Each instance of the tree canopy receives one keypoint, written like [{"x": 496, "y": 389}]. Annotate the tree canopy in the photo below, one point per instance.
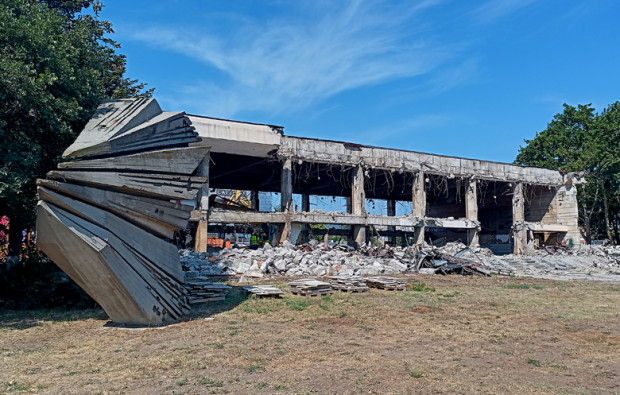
[
  {"x": 579, "y": 139},
  {"x": 57, "y": 63}
]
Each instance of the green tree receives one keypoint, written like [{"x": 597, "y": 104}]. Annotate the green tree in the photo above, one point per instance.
[
  {"x": 57, "y": 63},
  {"x": 578, "y": 139}
]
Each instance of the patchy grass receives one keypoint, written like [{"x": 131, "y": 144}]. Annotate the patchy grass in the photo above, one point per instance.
[
  {"x": 543, "y": 336},
  {"x": 208, "y": 382},
  {"x": 534, "y": 362}
]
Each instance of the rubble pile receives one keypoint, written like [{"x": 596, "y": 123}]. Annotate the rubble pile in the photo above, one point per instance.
[
  {"x": 288, "y": 260},
  {"x": 583, "y": 262},
  {"x": 312, "y": 259}
]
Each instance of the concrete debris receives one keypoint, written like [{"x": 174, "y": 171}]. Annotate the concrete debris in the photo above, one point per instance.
[
  {"x": 388, "y": 283},
  {"x": 264, "y": 290},
  {"x": 310, "y": 287},
  {"x": 584, "y": 262},
  {"x": 200, "y": 291},
  {"x": 348, "y": 283}
]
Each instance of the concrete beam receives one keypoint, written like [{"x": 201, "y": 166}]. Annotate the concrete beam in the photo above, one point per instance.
[
  {"x": 324, "y": 151},
  {"x": 317, "y": 217}
]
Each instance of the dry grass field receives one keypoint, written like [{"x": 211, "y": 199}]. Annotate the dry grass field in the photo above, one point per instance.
[{"x": 442, "y": 335}]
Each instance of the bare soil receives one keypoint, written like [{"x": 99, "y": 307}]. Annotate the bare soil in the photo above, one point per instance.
[{"x": 442, "y": 335}]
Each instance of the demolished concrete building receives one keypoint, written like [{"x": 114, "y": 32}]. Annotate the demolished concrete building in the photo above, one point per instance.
[
  {"x": 137, "y": 174},
  {"x": 479, "y": 202}
]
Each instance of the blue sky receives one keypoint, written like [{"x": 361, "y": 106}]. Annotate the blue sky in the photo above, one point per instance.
[{"x": 460, "y": 78}]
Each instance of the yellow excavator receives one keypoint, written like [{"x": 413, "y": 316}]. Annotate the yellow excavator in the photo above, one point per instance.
[{"x": 234, "y": 200}]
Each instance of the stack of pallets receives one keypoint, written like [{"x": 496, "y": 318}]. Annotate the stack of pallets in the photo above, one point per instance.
[
  {"x": 310, "y": 287},
  {"x": 264, "y": 290},
  {"x": 348, "y": 283},
  {"x": 387, "y": 283},
  {"x": 201, "y": 292}
]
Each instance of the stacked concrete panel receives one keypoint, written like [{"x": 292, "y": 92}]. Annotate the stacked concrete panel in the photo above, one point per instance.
[{"x": 108, "y": 215}]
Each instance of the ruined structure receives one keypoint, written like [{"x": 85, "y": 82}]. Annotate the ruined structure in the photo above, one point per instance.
[
  {"x": 136, "y": 174},
  {"x": 479, "y": 202}
]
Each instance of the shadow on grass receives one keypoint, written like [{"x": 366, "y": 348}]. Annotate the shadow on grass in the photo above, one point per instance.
[
  {"x": 235, "y": 297},
  {"x": 24, "y": 319}
]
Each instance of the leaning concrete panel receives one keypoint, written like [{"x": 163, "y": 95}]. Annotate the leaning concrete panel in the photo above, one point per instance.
[{"x": 108, "y": 216}]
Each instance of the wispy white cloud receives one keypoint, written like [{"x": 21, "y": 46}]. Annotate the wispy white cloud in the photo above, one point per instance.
[
  {"x": 290, "y": 63},
  {"x": 494, "y": 10}
]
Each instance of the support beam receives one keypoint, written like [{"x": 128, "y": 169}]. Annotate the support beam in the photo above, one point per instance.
[
  {"x": 471, "y": 210},
  {"x": 286, "y": 197},
  {"x": 358, "y": 202},
  {"x": 305, "y": 228},
  {"x": 254, "y": 200},
  {"x": 200, "y": 241},
  {"x": 419, "y": 206},
  {"x": 391, "y": 212},
  {"x": 519, "y": 230}
]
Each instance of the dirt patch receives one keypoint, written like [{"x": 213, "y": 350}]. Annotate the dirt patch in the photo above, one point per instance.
[{"x": 454, "y": 334}]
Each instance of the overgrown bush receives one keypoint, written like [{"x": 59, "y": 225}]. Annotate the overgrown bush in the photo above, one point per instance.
[{"x": 36, "y": 282}]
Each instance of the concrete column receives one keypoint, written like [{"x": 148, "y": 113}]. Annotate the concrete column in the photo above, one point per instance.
[
  {"x": 519, "y": 233},
  {"x": 419, "y": 206},
  {"x": 200, "y": 241},
  {"x": 471, "y": 210},
  {"x": 254, "y": 200},
  {"x": 358, "y": 203},
  {"x": 305, "y": 228},
  {"x": 391, "y": 212},
  {"x": 286, "y": 197}
]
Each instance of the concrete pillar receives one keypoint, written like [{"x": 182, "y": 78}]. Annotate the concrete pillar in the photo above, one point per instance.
[
  {"x": 358, "y": 203},
  {"x": 391, "y": 212},
  {"x": 519, "y": 233},
  {"x": 348, "y": 204},
  {"x": 254, "y": 200},
  {"x": 200, "y": 241},
  {"x": 286, "y": 197},
  {"x": 419, "y": 205},
  {"x": 471, "y": 210},
  {"x": 305, "y": 228}
]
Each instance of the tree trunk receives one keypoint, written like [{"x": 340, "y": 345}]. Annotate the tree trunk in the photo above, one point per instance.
[
  {"x": 586, "y": 224},
  {"x": 616, "y": 234},
  {"x": 606, "y": 212},
  {"x": 15, "y": 241}
]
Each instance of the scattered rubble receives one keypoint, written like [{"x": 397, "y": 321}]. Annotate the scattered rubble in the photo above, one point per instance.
[{"x": 312, "y": 259}]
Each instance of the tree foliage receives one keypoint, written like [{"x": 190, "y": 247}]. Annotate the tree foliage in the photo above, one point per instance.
[
  {"x": 57, "y": 63},
  {"x": 579, "y": 139}
]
